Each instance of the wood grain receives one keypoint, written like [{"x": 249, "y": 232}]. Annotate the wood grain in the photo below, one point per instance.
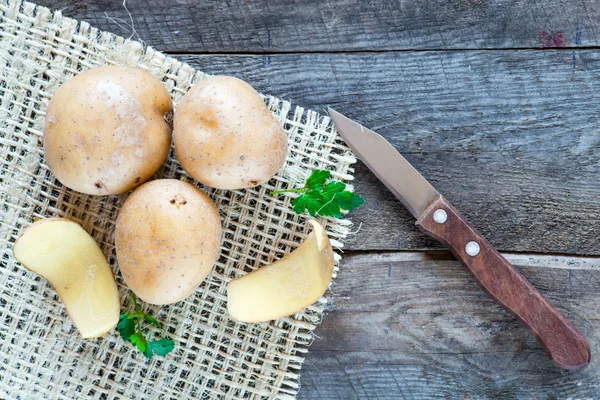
[
  {"x": 414, "y": 325},
  {"x": 262, "y": 26},
  {"x": 565, "y": 346},
  {"x": 509, "y": 137},
  {"x": 390, "y": 375}
]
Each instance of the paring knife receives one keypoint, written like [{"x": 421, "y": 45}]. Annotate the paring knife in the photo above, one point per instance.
[{"x": 436, "y": 217}]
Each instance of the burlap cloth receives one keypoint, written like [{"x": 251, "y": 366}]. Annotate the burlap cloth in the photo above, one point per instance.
[{"x": 42, "y": 356}]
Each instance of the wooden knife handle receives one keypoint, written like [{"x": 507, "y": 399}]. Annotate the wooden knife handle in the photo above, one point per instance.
[{"x": 564, "y": 345}]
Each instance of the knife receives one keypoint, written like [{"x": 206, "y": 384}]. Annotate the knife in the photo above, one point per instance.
[{"x": 436, "y": 217}]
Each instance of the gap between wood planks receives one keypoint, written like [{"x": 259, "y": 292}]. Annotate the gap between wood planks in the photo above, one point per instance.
[
  {"x": 545, "y": 260},
  {"x": 174, "y": 53}
]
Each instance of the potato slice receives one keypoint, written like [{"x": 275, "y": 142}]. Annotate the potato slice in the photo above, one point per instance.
[
  {"x": 62, "y": 252},
  {"x": 287, "y": 286}
]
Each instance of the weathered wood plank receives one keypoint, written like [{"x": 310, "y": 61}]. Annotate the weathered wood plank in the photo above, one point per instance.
[
  {"x": 431, "y": 295},
  {"x": 414, "y": 325},
  {"x": 305, "y": 25},
  {"x": 509, "y": 137},
  {"x": 387, "y": 375}
]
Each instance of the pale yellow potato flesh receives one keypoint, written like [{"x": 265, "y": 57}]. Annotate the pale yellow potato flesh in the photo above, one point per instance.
[
  {"x": 287, "y": 286},
  {"x": 63, "y": 253}
]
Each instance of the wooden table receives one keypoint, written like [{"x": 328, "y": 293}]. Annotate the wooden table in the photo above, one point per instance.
[{"x": 497, "y": 103}]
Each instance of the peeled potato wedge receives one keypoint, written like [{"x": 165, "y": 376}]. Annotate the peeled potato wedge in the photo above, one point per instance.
[
  {"x": 287, "y": 286},
  {"x": 62, "y": 252}
]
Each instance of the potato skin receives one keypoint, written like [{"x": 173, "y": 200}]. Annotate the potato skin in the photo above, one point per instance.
[
  {"x": 225, "y": 137},
  {"x": 167, "y": 236},
  {"x": 105, "y": 130}
]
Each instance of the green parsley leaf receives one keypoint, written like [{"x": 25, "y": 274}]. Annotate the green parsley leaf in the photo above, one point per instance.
[
  {"x": 314, "y": 202},
  {"x": 126, "y": 327},
  {"x": 310, "y": 201},
  {"x": 333, "y": 187},
  {"x": 160, "y": 347},
  {"x": 330, "y": 209},
  {"x": 321, "y": 198},
  {"x": 299, "y": 204},
  {"x": 317, "y": 179},
  {"x": 148, "y": 352},
  {"x": 139, "y": 341},
  {"x": 349, "y": 201},
  {"x": 129, "y": 329}
]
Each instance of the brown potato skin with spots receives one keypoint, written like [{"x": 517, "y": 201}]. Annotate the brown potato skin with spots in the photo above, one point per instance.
[
  {"x": 168, "y": 236},
  {"x": 225, "y": 137},
  {"x": 105, "y": 130}
]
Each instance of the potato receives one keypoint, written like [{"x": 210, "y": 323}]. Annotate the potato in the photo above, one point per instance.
[
  {"x": 225, "y": 137},
  {"x": 62, "y": 252},
  {"x": 167, "y": 238},
  {"x": 287, "y": 286},
  {"x": 106, "y": 131}
]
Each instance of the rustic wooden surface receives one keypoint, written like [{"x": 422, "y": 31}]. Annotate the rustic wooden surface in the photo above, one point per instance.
[
  {"x": 414, "y": 325},
  {"x": 497, "y": 103},
  {"x": 307, "y": 26},
  {"x": 509, "y": 137}
]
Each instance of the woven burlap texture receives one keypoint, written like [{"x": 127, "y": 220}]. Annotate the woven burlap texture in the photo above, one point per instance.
[{"x": 42, "y": 356}]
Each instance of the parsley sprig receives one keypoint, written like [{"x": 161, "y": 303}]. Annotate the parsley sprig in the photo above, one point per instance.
[
  {"x": 322, "y": 198},
  {"x": 129, "y": 327}
]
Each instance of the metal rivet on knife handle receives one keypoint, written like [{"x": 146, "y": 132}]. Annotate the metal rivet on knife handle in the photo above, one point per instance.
[
  {"x": 440, "y": 216},
  {"x": 472, "y": 248}
]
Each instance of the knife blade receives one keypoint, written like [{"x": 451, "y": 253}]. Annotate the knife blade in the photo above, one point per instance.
[{"x": 436, "y": 217}]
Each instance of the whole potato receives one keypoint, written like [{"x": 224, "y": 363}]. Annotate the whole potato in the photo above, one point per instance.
[
  {"x": 225, "y": 136},
  {"x": 167, "y": 238},
  {"x": 106, "y": 131}
]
